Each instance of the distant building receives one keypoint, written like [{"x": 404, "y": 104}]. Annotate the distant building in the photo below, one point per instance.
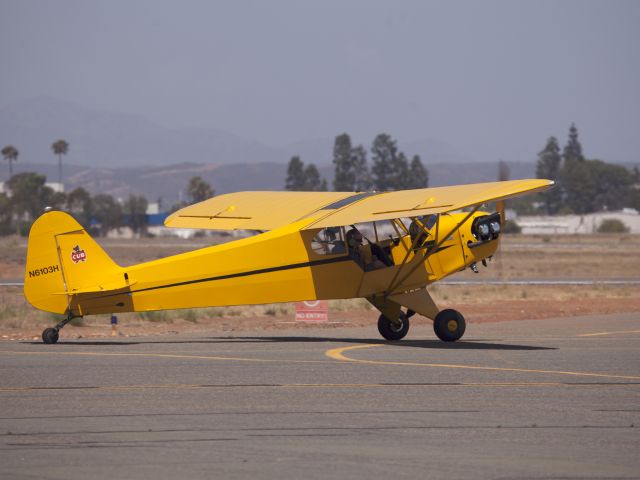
[
  {"x": 575, "y": 224},
  {"x": 55, "y": 186}
]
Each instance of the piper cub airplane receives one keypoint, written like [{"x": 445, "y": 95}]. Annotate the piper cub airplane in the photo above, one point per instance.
[{"x": 386, "y": 247}]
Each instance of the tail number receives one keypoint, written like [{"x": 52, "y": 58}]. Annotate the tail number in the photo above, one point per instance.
[
  {"x": 43, "y": 271},
  {"x": 78, "y": 255}
]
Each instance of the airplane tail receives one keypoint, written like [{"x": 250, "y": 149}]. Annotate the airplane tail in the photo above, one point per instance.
[{"x": 63, "y": 260}]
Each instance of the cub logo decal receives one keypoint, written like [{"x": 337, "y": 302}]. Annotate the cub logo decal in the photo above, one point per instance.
[{"x": 78, "y": 255}]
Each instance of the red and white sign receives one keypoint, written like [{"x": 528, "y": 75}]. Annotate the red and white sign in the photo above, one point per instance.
[{"x": 312, "y": 311}]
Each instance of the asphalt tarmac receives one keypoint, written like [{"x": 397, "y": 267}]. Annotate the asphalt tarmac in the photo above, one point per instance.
[{"x": 542, "y": 399}]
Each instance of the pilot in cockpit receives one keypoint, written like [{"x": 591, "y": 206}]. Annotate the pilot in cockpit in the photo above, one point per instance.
[{"x": 362, "y": 253}]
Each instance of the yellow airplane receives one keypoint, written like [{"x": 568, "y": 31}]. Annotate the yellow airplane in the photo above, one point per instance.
[{"x": 386, "y": 247}]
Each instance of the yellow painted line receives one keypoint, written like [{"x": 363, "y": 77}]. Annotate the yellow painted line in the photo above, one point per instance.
[
  {"x": 607, "y": 333},
  {"x": 338, "y": 354},
  {"x": 165, "y": 355}
]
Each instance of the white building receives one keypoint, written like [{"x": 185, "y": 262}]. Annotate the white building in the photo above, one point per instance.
[
  {"x": 573, "y": 224},
  {"x": 55, "y": 186}
]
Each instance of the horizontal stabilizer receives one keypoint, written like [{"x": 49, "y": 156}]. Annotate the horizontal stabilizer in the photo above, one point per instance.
[{"x": 97, "y": 289}]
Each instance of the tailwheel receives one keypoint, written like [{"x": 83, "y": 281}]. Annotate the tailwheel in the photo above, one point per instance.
[
  {"x": 393, "y": 330},
  {"x": 50, "y": 335},
  {"x": 449, "y": 325}
]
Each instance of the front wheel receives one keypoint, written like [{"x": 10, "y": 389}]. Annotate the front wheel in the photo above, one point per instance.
[
  {"x": 449, "y": 325},
  {"x": 393, "y": 331}
]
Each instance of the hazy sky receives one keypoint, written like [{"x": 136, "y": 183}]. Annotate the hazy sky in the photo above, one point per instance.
[{"x": 492, "y": 78}]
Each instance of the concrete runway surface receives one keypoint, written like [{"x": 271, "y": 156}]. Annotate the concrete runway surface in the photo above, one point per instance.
[{"x": 539, "y": 399}]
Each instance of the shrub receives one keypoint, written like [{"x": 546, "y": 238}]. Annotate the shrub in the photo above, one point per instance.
[{"x": 612, "y": 225}]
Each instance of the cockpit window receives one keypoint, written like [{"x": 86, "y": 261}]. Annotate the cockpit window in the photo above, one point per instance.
[{"x": 329, "y": 241}]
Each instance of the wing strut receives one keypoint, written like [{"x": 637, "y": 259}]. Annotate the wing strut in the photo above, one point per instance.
[{"x": 429, "y": 251}]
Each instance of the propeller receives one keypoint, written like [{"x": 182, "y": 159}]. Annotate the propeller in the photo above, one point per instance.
[{"x": 503, "y": 174}]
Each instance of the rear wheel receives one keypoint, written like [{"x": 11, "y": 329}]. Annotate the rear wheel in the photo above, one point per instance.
[
  {"x": 393, "y": 331},
  {"x": 50, "y": 335},
  {"x": 449, "y": 325}
]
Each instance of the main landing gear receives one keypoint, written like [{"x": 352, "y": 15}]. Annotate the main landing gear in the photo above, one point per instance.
[
  {"x": 449, "y": 325},
  {"x": 393, "y": 330},
  {"x": 51, "y": 335}
]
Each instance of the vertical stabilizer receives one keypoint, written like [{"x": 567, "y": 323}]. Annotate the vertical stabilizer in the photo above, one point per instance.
[{"x": 63, "y": 258}]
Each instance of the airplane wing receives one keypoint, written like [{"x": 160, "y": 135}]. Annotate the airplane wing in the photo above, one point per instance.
[
  {"x": 252, "y": 210},
  {"x": 413, "y": 203},
  {"x": 269, "y": 210}
]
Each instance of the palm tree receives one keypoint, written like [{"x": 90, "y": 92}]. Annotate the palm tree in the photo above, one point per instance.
[
  {"x": 60, "y": 147},
  {"x": 10, "y": 153}
]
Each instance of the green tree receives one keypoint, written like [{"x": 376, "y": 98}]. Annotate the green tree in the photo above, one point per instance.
[
  {"x": 313, "y": 182},
  {"x": 383, "y": 156},
  {"x": 418, "y": 174},
  {"x": 296, "y": 178},
  {"x": 10, "y": 154},
  {"x": 390, "y": 169},
  {"x": 504, "y": 172},
  {"x": 402, "y": 174},
  {"x": 28, "y": 197},
  {"x": 548, "y": 166},
  {"x": 107, "y": 212},
  {"x": 613, "y": 185},
  {"x": 363, "y": 180},
  {"x": 578, "y": 185},
  {"x": 6, "y": 215},
  {"x": 135, "y": 208},
  {"x": 80, "y": 205},
  {"x": 634, "y": 197},
  {"x": 572, "y": 151},
  {"x": 345, "y": 176},
  {"x": 351, "y": 170},
  {"x": 60, "y": 148},
  {"x": 594, "y": 185},
  {"x": 199, "y": 190}
]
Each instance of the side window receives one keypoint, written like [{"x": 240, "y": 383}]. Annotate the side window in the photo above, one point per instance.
[{"x": 329, "y": 241}]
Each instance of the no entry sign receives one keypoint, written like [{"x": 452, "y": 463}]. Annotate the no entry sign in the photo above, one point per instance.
[{"x": 312, "y": 311}]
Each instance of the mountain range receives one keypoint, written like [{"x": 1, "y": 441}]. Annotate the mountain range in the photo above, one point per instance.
[{"x": 100, "y": 138}]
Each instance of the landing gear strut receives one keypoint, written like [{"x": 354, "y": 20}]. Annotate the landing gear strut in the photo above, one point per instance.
[{"x": 51, "y": 335}]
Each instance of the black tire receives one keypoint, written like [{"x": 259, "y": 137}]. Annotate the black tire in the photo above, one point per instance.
[
  {"x": 391, "y": 331},
  {"x": 50, "y": 335},
  {"x": 449, "y": 325}
]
